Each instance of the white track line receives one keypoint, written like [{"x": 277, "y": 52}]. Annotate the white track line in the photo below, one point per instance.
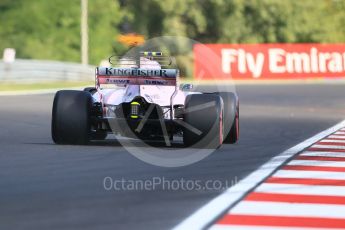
[
  {"x": 340, "y": 132},
  {"x": 310, "y": 174},
  {"x": 317, "y": 163},
  {"x": 298, "y": 189},
  {"x": 208, "y": 213},
  {"x": 289, "y": 209},
  {"x": 333, "y": 141},
  {"x": 328, "y": 146},
  {"x": 323, "y": 154},
  {"x": 336, "y": 137}
]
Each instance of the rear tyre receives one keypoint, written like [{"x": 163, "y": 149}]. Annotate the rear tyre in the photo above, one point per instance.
[
  {"x": 231, "y": 117},
  {"x": 71, "y": 117},
  {"x": 203, "y": 121}
]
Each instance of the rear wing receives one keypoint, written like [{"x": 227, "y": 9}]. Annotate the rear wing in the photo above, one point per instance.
[
  {"x": 143, "y": 59},
  {"x": 136, "y": 76}
]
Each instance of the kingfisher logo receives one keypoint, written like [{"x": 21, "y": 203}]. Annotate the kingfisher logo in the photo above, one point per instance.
[
  {"x": 108, "y": 71},
  {"x": 268, "y": 61}
]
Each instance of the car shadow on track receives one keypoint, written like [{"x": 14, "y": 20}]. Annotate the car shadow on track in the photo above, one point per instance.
[
  {"x": 122, "y": 143},
  {"x": 137, "y": 143}
]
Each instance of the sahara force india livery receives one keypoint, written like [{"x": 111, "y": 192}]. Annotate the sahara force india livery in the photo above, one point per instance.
[{"x": 142, "y": 100}]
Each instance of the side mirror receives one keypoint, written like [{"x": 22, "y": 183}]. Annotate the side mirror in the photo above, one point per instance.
[{"x": 186, "y": 87}]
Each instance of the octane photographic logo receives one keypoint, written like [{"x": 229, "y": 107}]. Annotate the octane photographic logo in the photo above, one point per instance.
[{"x": 170, "y": 151}]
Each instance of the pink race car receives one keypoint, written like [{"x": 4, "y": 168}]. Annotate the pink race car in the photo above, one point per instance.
[{"x": 140, "y": 99}]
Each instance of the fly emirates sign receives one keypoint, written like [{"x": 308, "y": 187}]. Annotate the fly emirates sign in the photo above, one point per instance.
[{"x": 269, "y": 61}]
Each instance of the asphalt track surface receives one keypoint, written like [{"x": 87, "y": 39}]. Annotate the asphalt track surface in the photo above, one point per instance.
[{"x": 46, "y": 186}]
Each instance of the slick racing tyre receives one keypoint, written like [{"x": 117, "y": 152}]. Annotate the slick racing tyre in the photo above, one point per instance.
[
  {"x": 203, "y": 121},
  {"x": 231, "y": 117},
  {"x": 71, "y": 117}
]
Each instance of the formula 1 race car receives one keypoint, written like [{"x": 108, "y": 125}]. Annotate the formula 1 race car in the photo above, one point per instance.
[{"x": 140, "y": 99}]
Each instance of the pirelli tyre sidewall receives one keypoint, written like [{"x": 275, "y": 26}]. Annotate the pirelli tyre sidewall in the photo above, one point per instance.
[
  {"x": 203, "y": 112},
  {"x": 71, "y": 117},
  {"x": 231, "y": 117}
]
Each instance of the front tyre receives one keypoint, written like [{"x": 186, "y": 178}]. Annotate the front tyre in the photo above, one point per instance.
[{"x": 71, "y": 117}]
